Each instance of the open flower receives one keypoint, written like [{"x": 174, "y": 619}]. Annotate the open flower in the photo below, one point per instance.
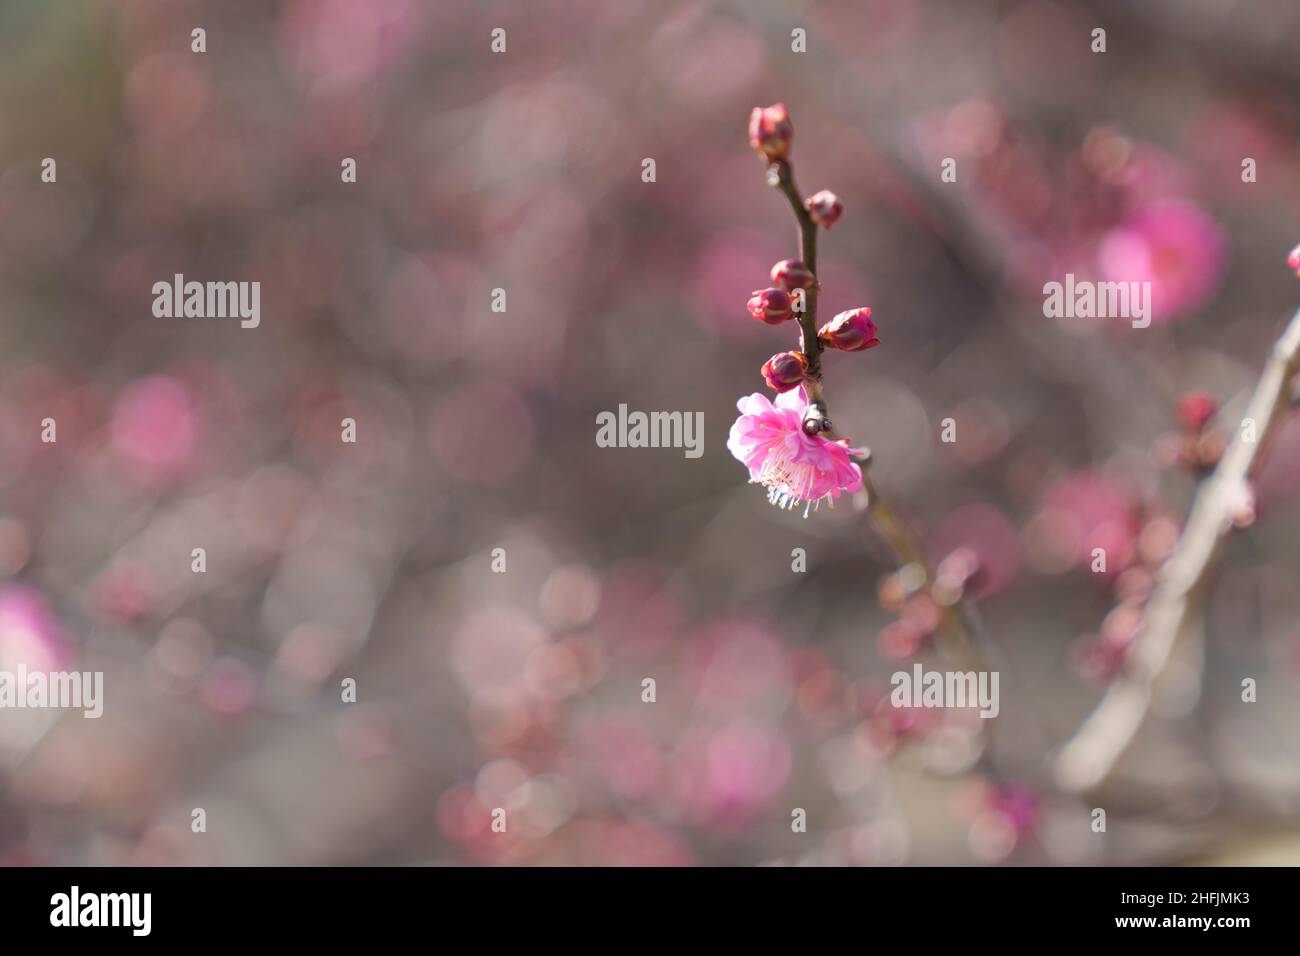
[{"x": 795, "y": 468}]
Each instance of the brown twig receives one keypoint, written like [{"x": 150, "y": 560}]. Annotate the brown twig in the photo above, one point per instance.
[
  {"x": 1089, "y": 756},
  {"x": 781, "y": 175},
  {"x": 958, "y": 625}
]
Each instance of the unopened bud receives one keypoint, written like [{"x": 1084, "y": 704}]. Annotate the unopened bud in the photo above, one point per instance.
[
  {"x": 770, "y": 131},
  {"x": 772, "y": 306},
  {"x": 785, "y": 370},
  {"x": 825, "y": 208},
  {"x": 791, "y": 274},
  {"x": 851, "y": 331},
  {"x": 1195, "y": 409}
]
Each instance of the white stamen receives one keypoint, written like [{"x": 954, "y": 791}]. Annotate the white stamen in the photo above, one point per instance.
[{"x": 788, "y": 483}]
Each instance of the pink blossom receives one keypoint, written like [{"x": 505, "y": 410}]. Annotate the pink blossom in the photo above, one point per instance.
[
  {"x": 1086, "y": 510},
  {"x": 794, "y": 467},
  {"x": 983, "y": 539},
  {"x": 737, "y": 666},
  {"x": 153, "y": 427},
  {"x": 724, "y": 776},
  {"x": 1018, "y": 805},
  {"x": 1173, "y": 245},
  {"x": 30, "y": 632}
]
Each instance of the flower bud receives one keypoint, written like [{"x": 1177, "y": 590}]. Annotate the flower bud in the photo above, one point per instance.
[
  {"x": 785, "y": 370},
  {"x": 791, "y": 274},
  {"x": 770, "y": 131},
  {"x": 770, "y": 305},
  {"x": 1195, "y": 409},
  {"x": 1293, "y": 260},
  {"x": 825, "y": 208},
  {"x": 850, "y": 331}
]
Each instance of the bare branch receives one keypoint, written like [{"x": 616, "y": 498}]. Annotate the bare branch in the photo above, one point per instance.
[{"x": 1090, "y": 755}]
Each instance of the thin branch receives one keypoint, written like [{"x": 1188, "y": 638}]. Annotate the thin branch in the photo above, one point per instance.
[
  {"x": 781, "y": 175},
  {"x": 958, "y": 625},
  {"x": 1090, "y": 755}
]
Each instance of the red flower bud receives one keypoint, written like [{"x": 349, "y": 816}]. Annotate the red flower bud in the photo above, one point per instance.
[
  {"x": 1293, "y": 260},
  {"x": 770, "y": 305},
  {"x": 770, "y": 131},
  {"x": 791, "y": 274},
  {"x": 850, "y": 331},
  {"x": 825, "y": 208},
  {"x": 1195, "y": 410},
  {"x": 785, "y": 370}
]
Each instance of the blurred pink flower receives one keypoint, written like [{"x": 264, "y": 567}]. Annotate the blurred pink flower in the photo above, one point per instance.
[
  {"x": 747, "y": 763},
  {"x": 888, "y": 727},
  {"x": 328, "y": 45},
  {"x": 29, "y": 631},
  {"x": 153, "y": 426},
  {"x": 1173, "y": 245},
  {"x": 794, "y": 467},
  {"x": 622, "y": 753},
  {"x": 489, "y": 653},
  {"x": 737, "y": 666},
  {"x": 229, "y": 687},
  {"x": 724, "y": 272},
  {"x": 458, "y": 445},
  {"x": 126, "y": 591},
  {"x": 990, "y": 537},
  {"x": 620, "y": 843},
  {"x": 1097, "y": 658},
  {"x": 1084, "y": 511},
  {"x": 1195, "y": 409},
  {"x": 641, "y": 610},
  {"x": 725, "y": 776},
  {"x": 1018, "y": 805}
]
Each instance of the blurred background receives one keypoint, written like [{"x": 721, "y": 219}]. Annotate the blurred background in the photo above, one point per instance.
[{"x": 522, "y": 690}]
